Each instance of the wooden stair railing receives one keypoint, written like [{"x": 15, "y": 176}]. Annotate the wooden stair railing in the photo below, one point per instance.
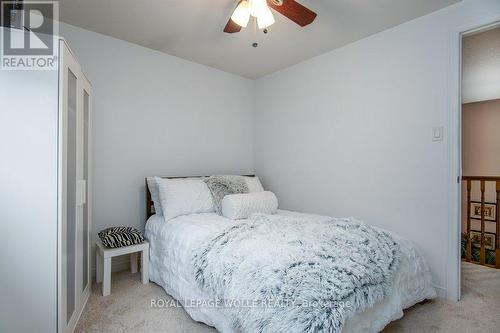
[{"x": 482, "y": 180}]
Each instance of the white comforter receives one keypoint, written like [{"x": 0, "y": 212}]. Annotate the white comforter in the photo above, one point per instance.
[{"x": 173, "y": 242}]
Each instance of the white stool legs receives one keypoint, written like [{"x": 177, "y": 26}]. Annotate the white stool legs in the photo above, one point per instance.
[
  {"x": 98, "y": 266},
  {"x": 106, "y": 283},
  {"x": 133, "y": 262},
  {"x": 103, "y": 263},
  {"x": 145, "y": 265}
]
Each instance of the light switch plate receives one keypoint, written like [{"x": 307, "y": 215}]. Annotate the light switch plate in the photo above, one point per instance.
[{"x": 437, "y": 133}]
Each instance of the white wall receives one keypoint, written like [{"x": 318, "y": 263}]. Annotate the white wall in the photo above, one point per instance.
[
  {"x": 481, "y": 66},
  {"x": 155, "y": 114},
  {"x": 349, "y": 132},
  {"x": 481, "y": 138}
]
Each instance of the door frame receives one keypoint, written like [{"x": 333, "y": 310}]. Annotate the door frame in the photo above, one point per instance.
[{"x": 453, "y": 290}]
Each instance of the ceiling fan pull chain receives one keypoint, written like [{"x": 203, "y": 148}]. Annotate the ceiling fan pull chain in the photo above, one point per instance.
[{"x": 255, "y": 44}]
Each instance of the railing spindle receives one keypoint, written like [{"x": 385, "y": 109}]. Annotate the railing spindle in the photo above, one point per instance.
[
  {"x": 497, "y": 242},
  {"x": 468, "y": 244},
  {"x": 483, "y": 251}
]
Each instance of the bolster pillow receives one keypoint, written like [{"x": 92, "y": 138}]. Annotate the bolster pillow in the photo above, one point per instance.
[{"x": 241, "y": 206}]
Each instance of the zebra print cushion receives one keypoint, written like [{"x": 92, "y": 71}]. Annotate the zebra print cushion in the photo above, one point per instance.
[{"x": 120, "y": 236}]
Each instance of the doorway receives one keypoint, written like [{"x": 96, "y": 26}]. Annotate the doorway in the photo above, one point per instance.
[{"x": 480, "y": 157}]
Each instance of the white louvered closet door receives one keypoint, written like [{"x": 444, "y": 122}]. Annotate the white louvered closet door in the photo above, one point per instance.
[{"x": 74, "y": 261}]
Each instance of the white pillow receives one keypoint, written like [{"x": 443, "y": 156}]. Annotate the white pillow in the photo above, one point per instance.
[
  {"x": 184, "y": 196},
  {"x": 155, "y": 196},
  {"x": 241, "y": 206},
  {"x": 254, "y": 184}
]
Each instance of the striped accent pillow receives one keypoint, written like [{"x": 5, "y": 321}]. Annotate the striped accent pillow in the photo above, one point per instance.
[{"x": 120, "y": 236}]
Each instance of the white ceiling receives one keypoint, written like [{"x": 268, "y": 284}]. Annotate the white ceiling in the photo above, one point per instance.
[
  {"x": 192, "y": 29},
  {"x": 481, "y": 66}
]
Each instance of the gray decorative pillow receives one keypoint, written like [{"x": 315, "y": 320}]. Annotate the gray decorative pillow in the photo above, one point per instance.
[{"x": 220, "y": 186}]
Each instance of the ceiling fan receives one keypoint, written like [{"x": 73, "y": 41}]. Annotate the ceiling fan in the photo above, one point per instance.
[{"x": 260, "y": 9}]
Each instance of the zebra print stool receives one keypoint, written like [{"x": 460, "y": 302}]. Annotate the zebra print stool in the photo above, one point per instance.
[{"x": 103, "y": 256}]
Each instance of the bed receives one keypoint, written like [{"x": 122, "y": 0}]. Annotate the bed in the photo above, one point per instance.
[{"x": 173, "y": 242}]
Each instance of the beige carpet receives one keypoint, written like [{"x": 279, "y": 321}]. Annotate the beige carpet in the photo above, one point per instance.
[{"x": 128, "y": 308}]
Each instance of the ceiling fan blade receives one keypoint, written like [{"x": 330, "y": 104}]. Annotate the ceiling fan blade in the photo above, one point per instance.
[
  {"x": 294, "y": 11},
  {"x": 231, "y": 27}
]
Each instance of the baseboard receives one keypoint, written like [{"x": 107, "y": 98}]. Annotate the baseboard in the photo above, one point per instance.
[
  {"x": 441, "y": 291},
  {"x": 74, "y": 320},
  {"x": 118, "y": 264}
]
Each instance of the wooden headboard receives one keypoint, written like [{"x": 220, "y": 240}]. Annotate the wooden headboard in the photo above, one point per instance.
[{"x": 149, "y": 203}]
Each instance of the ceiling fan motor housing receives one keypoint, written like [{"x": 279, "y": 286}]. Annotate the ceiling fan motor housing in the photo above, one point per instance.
[{"x": 277, "y": 2}]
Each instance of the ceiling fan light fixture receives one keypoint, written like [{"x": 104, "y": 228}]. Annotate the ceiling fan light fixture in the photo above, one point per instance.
[
  {"x": 265, "y": 19},
  {"x": 258, "y": 7},
  {"x": 241, "y": 14}
]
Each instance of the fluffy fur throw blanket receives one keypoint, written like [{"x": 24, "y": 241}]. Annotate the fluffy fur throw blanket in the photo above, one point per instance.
[
  {"x": 220, "y": 186},
  {"x": 277, "y": 273}
]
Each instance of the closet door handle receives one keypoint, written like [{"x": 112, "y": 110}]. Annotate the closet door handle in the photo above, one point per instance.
[
  {"x": 81, "y": 192},
  {"x": 84, "y": 191}
]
